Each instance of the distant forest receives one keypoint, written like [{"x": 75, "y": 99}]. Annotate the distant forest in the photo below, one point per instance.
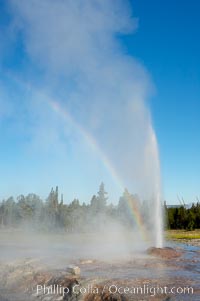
[
  {"x": 181, "y": 217},
  {"x": 52, "y": 214}
]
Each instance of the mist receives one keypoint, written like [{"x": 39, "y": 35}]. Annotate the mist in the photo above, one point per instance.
[
  {"x": 74, "y": 55},
  {"x": 76, "y": 50}
]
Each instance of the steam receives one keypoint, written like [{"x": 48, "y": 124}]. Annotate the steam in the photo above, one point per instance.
[{"x": 75, "y": 48}]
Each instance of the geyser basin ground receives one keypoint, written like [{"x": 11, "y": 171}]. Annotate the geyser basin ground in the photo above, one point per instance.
[
  {"x": 166, "y": 252},
  {"x": 24, "y": 263}
]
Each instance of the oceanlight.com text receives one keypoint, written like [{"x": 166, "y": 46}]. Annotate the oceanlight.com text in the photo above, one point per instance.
[{"x": 149, "y": 290}]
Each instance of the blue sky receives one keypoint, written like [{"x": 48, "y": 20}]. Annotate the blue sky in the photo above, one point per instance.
[{"x": 166, "y": 43}]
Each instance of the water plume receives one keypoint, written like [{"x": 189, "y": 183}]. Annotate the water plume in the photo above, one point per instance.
[{"x": 74, "y": 52}]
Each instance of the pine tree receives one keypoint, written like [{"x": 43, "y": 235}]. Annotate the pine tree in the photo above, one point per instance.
[{"x": 102, "y": 198}]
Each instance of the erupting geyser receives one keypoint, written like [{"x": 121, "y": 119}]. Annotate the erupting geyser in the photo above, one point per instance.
[
  {"x": 158, "y": 223},
  {"x": 158, "y": 212},
  {"x": 101, "y": 94}
]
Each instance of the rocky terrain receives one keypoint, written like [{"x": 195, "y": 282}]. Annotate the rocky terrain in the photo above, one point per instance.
[
  {"x": 30, "y": 279},
  {"x": 54, "y": 268}
]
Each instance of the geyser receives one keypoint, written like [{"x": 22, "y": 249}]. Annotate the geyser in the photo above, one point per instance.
[
  {"x": 76, "y": 49},
  {"x": 158, "y": 222},
  {"x": 158, "y": 210}
]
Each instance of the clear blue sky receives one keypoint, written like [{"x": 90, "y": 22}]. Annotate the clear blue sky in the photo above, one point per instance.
[{"x": 167, "y": 43}]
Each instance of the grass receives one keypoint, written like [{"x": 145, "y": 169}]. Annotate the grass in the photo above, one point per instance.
[{"x": 182, "y": 234}]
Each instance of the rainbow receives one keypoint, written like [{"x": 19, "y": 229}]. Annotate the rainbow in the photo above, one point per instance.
[{"x": 56, "y": 107}]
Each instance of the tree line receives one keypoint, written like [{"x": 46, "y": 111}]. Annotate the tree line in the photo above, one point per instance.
[
  {"x": 53, "y": 214},
  {"x": 183, "y": 218}
]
